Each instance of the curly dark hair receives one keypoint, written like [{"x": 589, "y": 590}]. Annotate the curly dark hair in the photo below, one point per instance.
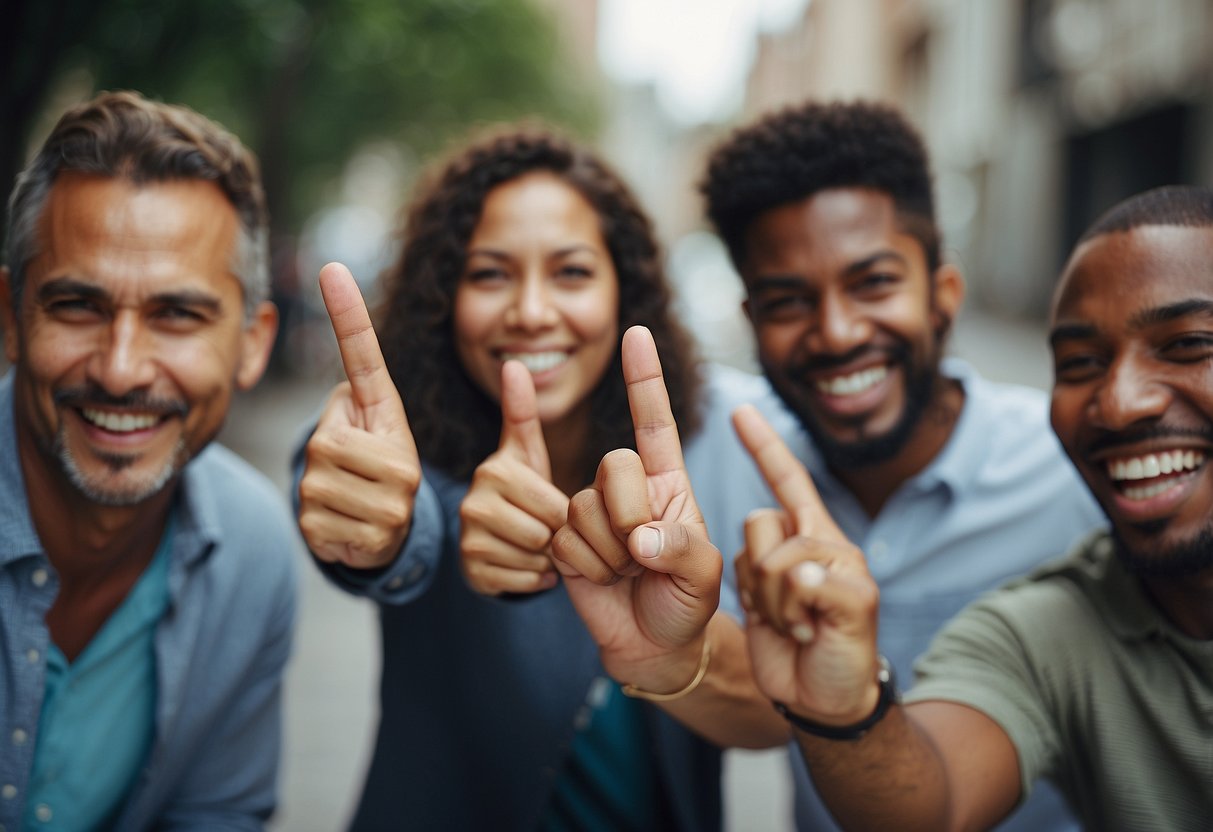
[
  {"x": 793, "y": 153},
  {"x": 455, "y": 423}
]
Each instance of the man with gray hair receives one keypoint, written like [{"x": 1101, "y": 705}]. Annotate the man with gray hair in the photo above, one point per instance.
[{"x": 147, "y": 591}]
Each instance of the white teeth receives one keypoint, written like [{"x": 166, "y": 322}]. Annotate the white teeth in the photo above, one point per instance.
[
  {"x": 1154, "y": 465},
  {"x": 537, "y": 362},
  {"x": 120, "y": 422},
  {"x": 1145, "y": 492},
  {"x": 854, "y": 383}
]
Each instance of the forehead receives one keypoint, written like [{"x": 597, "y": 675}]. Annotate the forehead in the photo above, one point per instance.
[
  {"x": 536, "y": 203},
  {"x": 113, "y": 231},
  {"x": 838, "y": 223},
  {"x": 1120, "y": 275}
]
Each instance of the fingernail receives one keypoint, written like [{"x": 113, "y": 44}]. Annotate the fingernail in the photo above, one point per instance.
[
  {"x": 648, "y": 542},
  {"x": 802, "y": 633},
  {"x": 747, "y": 600},
  {"x": 549, "y": 580},
  {"x": 809, "y": 573}
]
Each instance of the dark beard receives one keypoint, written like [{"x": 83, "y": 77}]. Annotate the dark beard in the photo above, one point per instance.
[
  {"x": 1182, "y": 560},
  {"x": 871, "y": 450}
]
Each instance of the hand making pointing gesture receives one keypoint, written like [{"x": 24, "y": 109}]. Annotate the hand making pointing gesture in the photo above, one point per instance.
[
  {"x": 512, "y": 508},
  {"x": 357, "y": 492},
  {"x": 635, "y": 553},
  {"x": 811, "y": 603}
]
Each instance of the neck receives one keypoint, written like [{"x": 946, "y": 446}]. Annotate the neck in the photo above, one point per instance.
[
  {"x": 872, "y": 485},
  {"x": 1187, "y": 602}
]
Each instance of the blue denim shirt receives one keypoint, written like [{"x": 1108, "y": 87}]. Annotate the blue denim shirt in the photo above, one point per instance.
[{"x": 220, "y": 646}]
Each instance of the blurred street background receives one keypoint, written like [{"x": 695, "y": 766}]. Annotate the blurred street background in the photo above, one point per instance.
[{"x": 1039, "y": 114}]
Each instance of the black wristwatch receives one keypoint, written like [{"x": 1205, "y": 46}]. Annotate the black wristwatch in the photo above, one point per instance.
[{"x": 888, "y": 695}]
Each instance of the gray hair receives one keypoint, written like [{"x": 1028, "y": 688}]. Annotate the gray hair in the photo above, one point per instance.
[{"x": 122, "y": 134}]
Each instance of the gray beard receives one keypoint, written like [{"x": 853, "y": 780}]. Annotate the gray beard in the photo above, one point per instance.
[{"x": 132, "y": 494}]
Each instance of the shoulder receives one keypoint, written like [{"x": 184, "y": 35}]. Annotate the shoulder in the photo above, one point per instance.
[
  {"x": 1061, "y": 596},
  {"x": 244, "y": 513}
]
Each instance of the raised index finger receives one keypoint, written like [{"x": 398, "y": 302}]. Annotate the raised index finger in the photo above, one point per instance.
[
  {"x": 781, "y": 469},
  {"x": 652, "y": 418},
  {"x": 361, "y": 357}
]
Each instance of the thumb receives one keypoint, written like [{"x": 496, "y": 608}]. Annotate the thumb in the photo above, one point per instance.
[
  {"x": 521, "y": 432},
  {"x": 674, "y": 549}
]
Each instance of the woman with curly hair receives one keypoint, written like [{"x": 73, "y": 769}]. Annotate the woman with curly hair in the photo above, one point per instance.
[{"x": 522, "y": 255}]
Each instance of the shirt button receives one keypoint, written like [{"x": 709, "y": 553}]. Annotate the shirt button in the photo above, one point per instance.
[
  {"x": 33, "y": 656},
  {"x": 43, "y": 813},
  {"x": 416, "y": 573},
  {"x": 39, "y": 577},
  {"x": 395, "y": 583},
  {"x": 19, "y": 737},
  {"x": 9, "y": 791}
]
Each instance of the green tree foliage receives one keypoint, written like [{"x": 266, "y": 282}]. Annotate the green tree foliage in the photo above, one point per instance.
[{"x": 303, "y": 82}]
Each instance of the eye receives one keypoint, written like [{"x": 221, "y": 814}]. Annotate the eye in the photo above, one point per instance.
[
  {"x": 1189, "y": 347},
  {"x": 782, "y": 308},
  {"x": 573, "y": 271},
  {"x": 74, "y": 309},
  {"x": 484, "y": 274},
  {"x": 179, "y": 317},
  {"x": 873, "y": 282},
  {"x": 1076, "y": 367}
]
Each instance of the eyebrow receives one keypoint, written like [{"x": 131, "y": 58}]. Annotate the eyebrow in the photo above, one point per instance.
[
  {"x": 789, "y": 281},
  {"x": 871, "y": 260},
  {"x": 70, "y": 286},
  {"x": 498, "y": 254},
  {"x": 1172, "y": 311},
  {"x": 1151, "y": 316}
]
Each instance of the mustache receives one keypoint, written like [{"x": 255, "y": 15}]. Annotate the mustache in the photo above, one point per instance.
[
  {"x": 90, "y": 395},
  {"x": 1108, "y": 440},
  {"x": 895, "y": 353}
]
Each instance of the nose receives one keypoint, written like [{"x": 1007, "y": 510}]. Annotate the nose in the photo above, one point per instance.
[
  {"x": 1128, "y": 395},
  {"x": 124, "y": 359},
  {"x": 839, "y": 328},
  {"x": 532, "y": 307}
]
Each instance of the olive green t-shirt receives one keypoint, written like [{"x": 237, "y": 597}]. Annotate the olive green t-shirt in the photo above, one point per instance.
[{"x": 1095, "y": 688}]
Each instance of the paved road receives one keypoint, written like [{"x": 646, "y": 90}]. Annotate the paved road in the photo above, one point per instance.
[{"x": 331, "y": 683}]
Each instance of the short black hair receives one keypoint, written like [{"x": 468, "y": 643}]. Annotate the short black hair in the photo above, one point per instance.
[
  {"x": 1189, "y": 205},
  {"x": 791, "y": 154}
]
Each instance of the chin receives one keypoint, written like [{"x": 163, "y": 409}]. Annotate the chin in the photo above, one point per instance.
[{"x": 1151, "y": 552}]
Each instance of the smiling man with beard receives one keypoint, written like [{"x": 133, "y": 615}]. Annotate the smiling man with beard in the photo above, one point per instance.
[
  {"x": 1096, "y": 672},
  {"x": 146, "y": 584},
  {"x": 952, "y": 483}
]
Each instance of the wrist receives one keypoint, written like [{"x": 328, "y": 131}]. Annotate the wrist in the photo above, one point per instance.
[
  {"x": 679, "y": 677},
  {"x": 884, "y": 695}
]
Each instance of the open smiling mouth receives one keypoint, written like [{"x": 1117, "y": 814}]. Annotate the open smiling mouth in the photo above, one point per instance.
[
  {"x": 1148, "y": 475},
  {"x": 119, "y": 422},
  {"x": 852, "y": 384},
  {"x": 538, "y": 362}
]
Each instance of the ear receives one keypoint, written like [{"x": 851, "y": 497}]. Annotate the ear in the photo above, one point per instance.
[
  {"x": 949, "y": 294},
  {"x": 257, "y": 342},
  {"x": 8, "y": 315}
]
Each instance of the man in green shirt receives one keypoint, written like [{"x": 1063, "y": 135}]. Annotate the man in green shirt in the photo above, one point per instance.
[{"x": 1097, "y": 672}]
